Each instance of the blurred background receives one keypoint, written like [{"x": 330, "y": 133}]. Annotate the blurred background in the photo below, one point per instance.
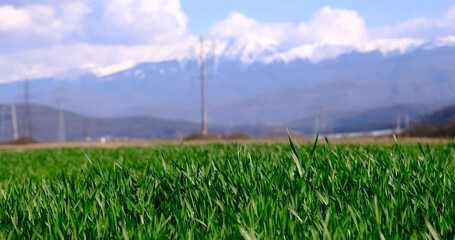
[{"x": 95, "y": 70}]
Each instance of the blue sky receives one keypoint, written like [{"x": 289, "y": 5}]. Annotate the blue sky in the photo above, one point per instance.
[
  {"x": 103, "y": 36},
  {"x": 203, "y": 13}
]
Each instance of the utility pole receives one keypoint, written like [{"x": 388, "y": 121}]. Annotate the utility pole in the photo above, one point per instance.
[
  {"x": 407, "y": 121},
  {"x": 2, "y": 127},
  {"x": 14, "y": 119},
  {"x": 203, "y": 97},
  {"x": 317, "y": 120},
  {"x": 61, "y": 125},
  {"x": 324, "y": 123},
  {"x": 27, "y": 113},
  {"x": 316, "y": 124},
  {"x": 398, "y": 123},
  {"x": 61, "y": 115}
]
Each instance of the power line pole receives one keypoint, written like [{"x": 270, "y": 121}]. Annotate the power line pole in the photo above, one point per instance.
[
  {"x": 407, "y": 121},
  {"x": 14, "y": 119},
  {"x": 61, "y": 129},
  {"x": 2, "y": 128},
  {"x": 61, "y": 115},
  {"x": 316, "y": 124},
  {"x": 27, "y": 113},
  {"x": 398, "y": 123},
  {"x": 203, "y": 97}
]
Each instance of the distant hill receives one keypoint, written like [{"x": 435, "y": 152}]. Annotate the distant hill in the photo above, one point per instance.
[
  {"x": 363, "y": 120},
  {"x": 45, "y": 125},
  {"x": 440, "y": 123},
  {"x": 440, "y": 117}
]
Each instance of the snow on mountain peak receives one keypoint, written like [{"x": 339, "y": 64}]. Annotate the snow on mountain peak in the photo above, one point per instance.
[{"x": 445, "y": 41}]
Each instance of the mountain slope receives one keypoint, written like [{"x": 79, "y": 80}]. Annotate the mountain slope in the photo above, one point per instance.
[
  {"x": 441, "y": 116},
  {"x": 45, "y": 125},
  {"x": 357, "y": 121},
  {"x": 439, "y": 123},
  {"x": 257, "y": 93}
]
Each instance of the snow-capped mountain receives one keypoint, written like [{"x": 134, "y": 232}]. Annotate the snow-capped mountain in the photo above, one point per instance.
[
  {"x": 247, "y": 85},
  {"x": 250, "y": 48}
]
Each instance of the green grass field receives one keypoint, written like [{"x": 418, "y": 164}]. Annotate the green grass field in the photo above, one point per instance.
[{"x": 215, "y": 191}]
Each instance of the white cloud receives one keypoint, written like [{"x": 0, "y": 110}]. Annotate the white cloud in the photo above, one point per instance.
[
  {"x": 329, "y": 33},
  {"x": 46, "y": 37},
  {"x": 237, "y": 25},
  {"x": 247, "y": 37},
  {"x": 99, "y": 59},
  {"x": 13, "y": 19},
  {"x": 119, "y": 22},
  {"x": 138, "y": 22},
  {"x": 445, "y": 41},
  {"x": 428, "y": 29},
  {"x": 55, "y": 24},
  {"x": 328, "y": 26},
  {"x": 37, "y": 25},
  {"x": 331, "y": 26}
]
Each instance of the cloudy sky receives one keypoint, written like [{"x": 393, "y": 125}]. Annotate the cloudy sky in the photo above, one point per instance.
[{"x": 48, "y": 37}]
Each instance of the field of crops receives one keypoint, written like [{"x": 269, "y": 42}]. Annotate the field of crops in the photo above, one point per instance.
[{"x": 215, "y": 191}]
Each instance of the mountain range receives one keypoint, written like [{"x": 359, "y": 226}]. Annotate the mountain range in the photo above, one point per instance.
[
  {"x": 439, "y": 123},
  {"x": 45, "y": 125},
  {"x": 295, "y": 93}
]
